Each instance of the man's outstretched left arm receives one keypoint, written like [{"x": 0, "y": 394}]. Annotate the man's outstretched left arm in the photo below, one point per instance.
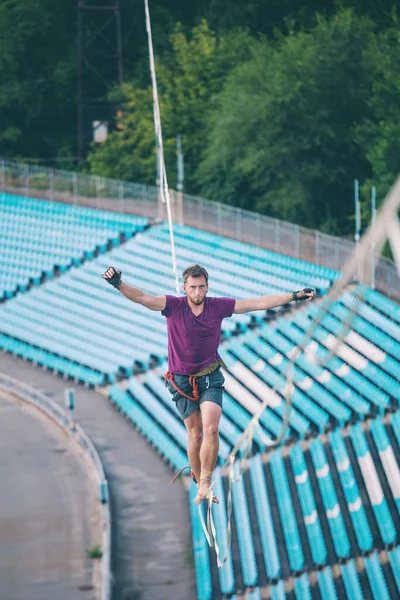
[{"x": 272, "y": 301}]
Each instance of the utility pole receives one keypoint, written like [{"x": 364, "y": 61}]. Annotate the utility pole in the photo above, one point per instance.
[
  {"x": 180, "y": 179},
  {"x": 357, "y": 211},
  {"x": 357, "y": 221},
  {"x": 100, "y": 64},
  {"x": 373, "y": 219}
]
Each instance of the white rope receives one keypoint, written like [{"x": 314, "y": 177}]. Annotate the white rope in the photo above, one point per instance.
[{"x": 164, "y": 190}]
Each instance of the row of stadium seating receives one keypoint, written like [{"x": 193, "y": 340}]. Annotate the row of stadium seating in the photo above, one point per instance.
[
  {"x": 37, "y": 237},
  {"x": 328, "y": 584}
]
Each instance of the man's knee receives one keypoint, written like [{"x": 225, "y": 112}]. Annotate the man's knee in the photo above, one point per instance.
[{"x": 211, "y": 430}]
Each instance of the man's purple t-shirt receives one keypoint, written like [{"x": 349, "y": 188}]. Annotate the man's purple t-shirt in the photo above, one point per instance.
[{"x": 193, "y": 341}]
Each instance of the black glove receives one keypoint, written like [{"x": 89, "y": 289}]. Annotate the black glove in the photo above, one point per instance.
[
  {"x": 113, "y": 277},
  {"x": 308, "y": 295}
]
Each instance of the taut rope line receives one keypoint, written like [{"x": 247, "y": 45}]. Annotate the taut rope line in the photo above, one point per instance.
[{"x": 160, "y": 146}]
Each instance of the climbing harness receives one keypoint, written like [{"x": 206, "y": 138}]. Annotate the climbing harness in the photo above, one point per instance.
[{"x": 169, "y": 376}]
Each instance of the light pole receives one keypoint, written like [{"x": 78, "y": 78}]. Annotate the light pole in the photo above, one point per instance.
[{"x": 180, "y": 178}]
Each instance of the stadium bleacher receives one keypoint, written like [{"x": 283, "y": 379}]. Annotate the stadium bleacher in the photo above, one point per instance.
[
  {"x": 38, "y": 237},
  {"x": 315, "y": 518}
]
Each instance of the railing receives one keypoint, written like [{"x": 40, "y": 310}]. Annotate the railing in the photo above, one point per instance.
[
  {"x": 64, "y": 420},
  {"x": 215, "y": 217}
]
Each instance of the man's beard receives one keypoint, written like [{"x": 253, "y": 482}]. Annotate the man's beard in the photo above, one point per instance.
[{"x": 198, "y": 302}]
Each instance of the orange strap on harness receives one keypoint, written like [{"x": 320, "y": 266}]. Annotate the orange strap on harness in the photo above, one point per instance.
[{"x": 169, "y": 376}]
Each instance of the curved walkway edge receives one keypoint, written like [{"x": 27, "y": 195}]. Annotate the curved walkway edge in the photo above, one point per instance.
[{"x": 88, "y": 451}]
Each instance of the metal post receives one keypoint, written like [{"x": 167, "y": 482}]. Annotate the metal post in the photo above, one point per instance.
[
  {"x": 201, "y": 214},
  {"x": 121, "y": 196},
  {"x": 97, "y": 180},
  {"x": 277, "y": 235},
  {"x": 357, "y": 211},
  {"x": 373, "y": 218},
  {"x": 238, "y": 225},
  {"x": 297, "y": 241},
  {"x": 180, "y": 179},
  {"x": 27, "y": 186},
  {"x": 317, "y": 244},
  {"x": 103, "y": 491},
  {"x": 69, "y": 398},
  {"x": 75, "y": 187},
  {"x": 80, "y": 82},
  {"x": 119, "y": 42},
  {"x": 51, "y": 183},
  {"x": 337, "y": 253},
  {"x": 3, "y": 174}
]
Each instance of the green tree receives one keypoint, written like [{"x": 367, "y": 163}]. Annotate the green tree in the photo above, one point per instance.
[
  {"x": 379, "y": 135},
  {"x": 282, "y": 140},
  {"x": 37, "y": 77},
  {"x": 190, "y": 77}
]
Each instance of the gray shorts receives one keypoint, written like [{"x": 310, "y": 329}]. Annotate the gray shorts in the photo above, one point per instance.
[{"x": 210, "y": 389}]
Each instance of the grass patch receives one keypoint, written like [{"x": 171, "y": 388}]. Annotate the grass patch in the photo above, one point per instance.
[
  {"x": 94, "y": 552},
  {"x": 188, "y": 556}
]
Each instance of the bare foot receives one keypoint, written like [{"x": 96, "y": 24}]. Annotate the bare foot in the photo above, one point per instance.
[{"x": 203, "y": 493}]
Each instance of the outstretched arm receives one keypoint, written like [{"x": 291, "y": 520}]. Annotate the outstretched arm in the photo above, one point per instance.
[
  {"x": 113, "y": 277},
  {"x": 272, "y": 301}
]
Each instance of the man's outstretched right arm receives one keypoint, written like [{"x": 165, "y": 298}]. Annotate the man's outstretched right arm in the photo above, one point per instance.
[{"x": 113, "y": 277}]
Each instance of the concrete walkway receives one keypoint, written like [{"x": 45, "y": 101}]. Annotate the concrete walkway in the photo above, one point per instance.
[
  {"x": 152, "y": 543},
  {"x": 49, "y": 514}
]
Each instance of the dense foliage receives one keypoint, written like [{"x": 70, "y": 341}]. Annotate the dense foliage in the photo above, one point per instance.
[{"x": 280, "y": 105}]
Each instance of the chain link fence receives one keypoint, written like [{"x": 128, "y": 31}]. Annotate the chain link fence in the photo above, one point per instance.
[{"x": 214, "y": 217}]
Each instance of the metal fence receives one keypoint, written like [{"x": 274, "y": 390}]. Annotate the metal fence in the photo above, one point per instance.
[
  {"x": 215, "y": 217},
  {"x": 64, "y": 420}
]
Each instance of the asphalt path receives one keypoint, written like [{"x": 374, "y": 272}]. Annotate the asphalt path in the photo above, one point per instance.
[
  {"x": 151, "y": 542},
  {"x": 49, "y": 514}
]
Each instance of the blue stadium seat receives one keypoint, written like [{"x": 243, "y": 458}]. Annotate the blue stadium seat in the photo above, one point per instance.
[
  {"x": 332, "y": 508},
  {"x": 278, "y": 591},
  {"x": 244, "y": 534},
  {"x": 308, "y": 506},
  {"x": 374, "y": 489},
  {"x": 327, "y": 584},
  {"x": 351, "y": 581},
  {"x": 394, "y": 558},
  {"x": 226, "y": 572},
  {"x": 288, "y": 520},
  {"x": 388, "y": 458},
  {"x": 264, "y": 518},
  {"x": 200, "y": 550},
  {"x": 376, "y": 578},
  {"x": 352, "y": 494},
  {"x": 302, "y": 587}
]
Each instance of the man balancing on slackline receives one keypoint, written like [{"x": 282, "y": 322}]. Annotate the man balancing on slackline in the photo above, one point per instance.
[{"x": 194, "y": 377}]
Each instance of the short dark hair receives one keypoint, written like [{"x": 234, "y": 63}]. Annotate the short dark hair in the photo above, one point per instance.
[{"x": 194, "y": 271}]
